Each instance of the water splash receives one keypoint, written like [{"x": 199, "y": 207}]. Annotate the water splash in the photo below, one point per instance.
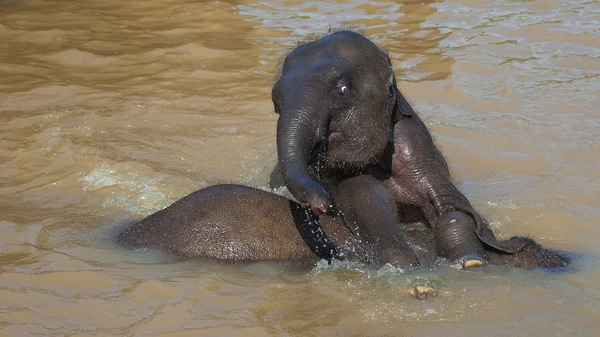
[{"x": 136, "y": 193}]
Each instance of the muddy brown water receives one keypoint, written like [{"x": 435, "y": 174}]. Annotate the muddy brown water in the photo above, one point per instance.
[{"x": 110, "y": 110}]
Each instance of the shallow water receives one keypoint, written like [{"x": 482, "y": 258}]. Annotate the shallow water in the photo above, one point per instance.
[{"x": 111, "y": 110}]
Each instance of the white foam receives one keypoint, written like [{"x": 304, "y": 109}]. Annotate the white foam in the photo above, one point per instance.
[{"x": 127, "y": 189}]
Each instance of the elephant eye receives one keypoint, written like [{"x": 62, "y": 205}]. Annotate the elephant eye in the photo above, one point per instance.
[{"x": 344, "y": 90}]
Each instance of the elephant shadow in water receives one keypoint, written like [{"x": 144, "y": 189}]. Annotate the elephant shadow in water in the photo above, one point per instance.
[{"x": 239, "y": 223}]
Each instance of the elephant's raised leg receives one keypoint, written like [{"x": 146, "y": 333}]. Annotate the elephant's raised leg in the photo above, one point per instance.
[
  {"x": 456, "y": 240},
  {"x": 369, "y": 209},
  {"x": 420, "y": 177}
]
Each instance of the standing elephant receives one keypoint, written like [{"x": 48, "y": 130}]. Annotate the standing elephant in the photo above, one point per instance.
[
  {"x": 239, "y": 223},
  {"x": 343, "y": 121}
]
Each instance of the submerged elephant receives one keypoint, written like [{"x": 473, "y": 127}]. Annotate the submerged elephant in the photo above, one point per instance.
[
  {"x": 239, "y": 223},
  {"x": 342, "y": 116}
]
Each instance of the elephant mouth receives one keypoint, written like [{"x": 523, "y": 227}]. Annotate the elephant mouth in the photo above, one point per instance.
[
  {"x": 349, "y": 151},
  {"x": 335, "y": 138}
]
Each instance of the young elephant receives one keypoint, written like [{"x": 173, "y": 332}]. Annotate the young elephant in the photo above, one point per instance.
[
  {"x": 239, "y": 223},
  {"x": 342, "y": 116},
  {"x": 336, "y": 100}
]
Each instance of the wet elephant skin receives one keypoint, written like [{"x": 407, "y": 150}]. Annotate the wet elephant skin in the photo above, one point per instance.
[{"x": 239, "y": 223}]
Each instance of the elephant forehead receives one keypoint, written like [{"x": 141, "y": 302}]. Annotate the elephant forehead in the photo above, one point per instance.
[
  {"x": 329, "y": 70},
  {"x": 347, "y": 44},
  {"x": 353, "y": 50},
  {"x": 320, "y": 71},
  {"x": 314, "y": 59}
]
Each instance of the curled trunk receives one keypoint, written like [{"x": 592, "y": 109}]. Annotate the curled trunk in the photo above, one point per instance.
[{"x": 299, "y": 132}]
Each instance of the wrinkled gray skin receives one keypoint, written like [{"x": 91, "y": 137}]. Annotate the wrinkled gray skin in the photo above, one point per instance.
[
  {"x": 342, "y": 116},
  {"x": 239, "y": 223}
]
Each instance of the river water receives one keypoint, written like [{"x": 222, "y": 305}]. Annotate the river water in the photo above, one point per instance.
[{"x": 111, "y": 110}]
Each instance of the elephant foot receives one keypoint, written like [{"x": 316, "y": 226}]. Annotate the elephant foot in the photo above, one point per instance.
[
  {"x": 470, "y": 261},
  {"x": 457, "y": 241},
  {"x": 422, "y": 292}
]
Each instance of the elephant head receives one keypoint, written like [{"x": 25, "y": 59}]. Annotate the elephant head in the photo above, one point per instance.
[{"x": 336, "y": 96}]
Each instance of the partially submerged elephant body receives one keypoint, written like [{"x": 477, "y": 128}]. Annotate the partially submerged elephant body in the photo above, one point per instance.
[
  {"x": 239, "y": 223},
  {"x": 345, "y": 129},
  {"x": 342, "y": 118}
]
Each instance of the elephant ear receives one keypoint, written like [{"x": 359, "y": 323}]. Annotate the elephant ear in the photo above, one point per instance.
[
  {"x": 401, "y": 109},
  {"x": 510, "y": 246}
]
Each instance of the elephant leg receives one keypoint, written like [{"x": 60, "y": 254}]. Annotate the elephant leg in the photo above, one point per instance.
[
  {"x": 420, "y": 177},
  {"x": 370, "y": 209},
  {"x": 456, "y": 240}
]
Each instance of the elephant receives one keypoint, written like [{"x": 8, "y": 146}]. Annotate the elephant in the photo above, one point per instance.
[
  {"x": 238, "y": 223},
  {"x": 341, "y": 115}
]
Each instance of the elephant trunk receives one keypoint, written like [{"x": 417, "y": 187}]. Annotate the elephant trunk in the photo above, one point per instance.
[{"x": 299, "y": 131}]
